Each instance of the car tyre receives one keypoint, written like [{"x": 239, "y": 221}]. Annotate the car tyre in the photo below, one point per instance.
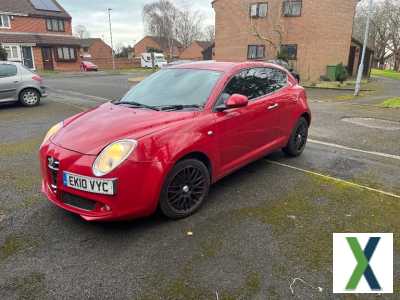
[
  {"x": 184, "y": 189},
  {"x": 298, "y": 139},
  {"x": 29, "y": 97}
]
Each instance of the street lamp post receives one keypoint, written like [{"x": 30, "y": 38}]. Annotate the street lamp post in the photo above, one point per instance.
[
  {"x": 361, "y": 67},
  {"x": 111, "y": 37}
]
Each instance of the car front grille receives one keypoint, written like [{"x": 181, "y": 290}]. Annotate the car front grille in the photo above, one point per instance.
[
  {"x": 53, "y": 166},
  {"x": 78, "y": 202}
]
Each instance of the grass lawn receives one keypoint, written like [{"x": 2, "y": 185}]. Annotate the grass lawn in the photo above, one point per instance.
[
  {"x": 391, "y": 103},
  {"x": 386, "y": 73}
]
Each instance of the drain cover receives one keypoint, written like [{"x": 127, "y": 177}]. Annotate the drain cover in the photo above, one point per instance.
[{"x": 374, "y": 123}]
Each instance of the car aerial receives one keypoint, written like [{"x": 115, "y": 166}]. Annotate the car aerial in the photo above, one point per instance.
[
  {"x": 87, "y": 66},
  {"x": 19, "y": 84},
  {"x": 170, "y": 137}
]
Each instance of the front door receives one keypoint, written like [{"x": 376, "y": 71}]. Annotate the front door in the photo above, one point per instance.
[
  {"x": 47, "y": 58},
  {"x": 27, "y": 57}
]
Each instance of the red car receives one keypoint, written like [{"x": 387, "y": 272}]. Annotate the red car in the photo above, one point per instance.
[
  {"x": 87, "y": 66},
  {"x": 170, "y": 137}
]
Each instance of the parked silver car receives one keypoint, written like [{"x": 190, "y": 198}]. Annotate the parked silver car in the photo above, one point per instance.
[{"x": 18, "y": 83}]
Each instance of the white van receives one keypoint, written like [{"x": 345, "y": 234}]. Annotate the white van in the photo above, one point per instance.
[{"x": 159, "y": 60}]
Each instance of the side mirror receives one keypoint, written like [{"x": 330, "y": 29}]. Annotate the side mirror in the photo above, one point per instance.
[{"x": 234, "y": 101}]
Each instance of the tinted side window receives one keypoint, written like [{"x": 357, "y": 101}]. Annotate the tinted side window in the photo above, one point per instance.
[
  {"x": 254, "y": 83},
  {"x": 8, "y": 70}
]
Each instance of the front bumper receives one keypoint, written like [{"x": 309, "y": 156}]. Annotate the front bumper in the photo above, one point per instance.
[
  {"x": 43, "y": 92},
  {"x": 138, "y": 186}
]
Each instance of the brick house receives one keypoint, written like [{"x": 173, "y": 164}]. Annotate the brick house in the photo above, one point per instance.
[
  {"x": 195, "y": 51},
  {"x": 158, "y": 44},
  {"x": 38, "y": 33},
  {"x": 312, "y": 34},
  {"x": 95, "y": 48}
]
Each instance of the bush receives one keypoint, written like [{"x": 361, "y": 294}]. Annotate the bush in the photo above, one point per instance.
[
  {"x": 341, "y": 73},
  {"x": 3, "y": 53}
]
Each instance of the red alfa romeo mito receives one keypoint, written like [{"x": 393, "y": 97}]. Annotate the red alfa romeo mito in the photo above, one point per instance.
[{"x": 170, "y": 137}]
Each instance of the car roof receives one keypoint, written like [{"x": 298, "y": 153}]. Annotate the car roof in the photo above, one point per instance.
[{"x": 225, "y": 67}]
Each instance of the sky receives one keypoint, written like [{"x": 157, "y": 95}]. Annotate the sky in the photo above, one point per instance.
[{"x": 127, "y": 21}]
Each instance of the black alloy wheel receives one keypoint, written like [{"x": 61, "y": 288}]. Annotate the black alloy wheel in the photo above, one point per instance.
[
  {"x": 298, "y": 139},
  {"x": 185, "y": 189}
]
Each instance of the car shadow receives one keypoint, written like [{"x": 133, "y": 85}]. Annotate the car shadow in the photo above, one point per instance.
[{"x": 157, "y": 219}]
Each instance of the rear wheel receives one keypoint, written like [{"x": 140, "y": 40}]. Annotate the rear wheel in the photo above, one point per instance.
[
  {"x": 185, "y": 189},
  {"x": 29, "y": 97},
  {"x": 298, "y": 140}
]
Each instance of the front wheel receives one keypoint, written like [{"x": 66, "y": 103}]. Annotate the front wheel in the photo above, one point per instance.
[
  {"x": 185, "y": 189},
  {"x": 298, "y": 139},
  {"x": 29, "y": 97}
]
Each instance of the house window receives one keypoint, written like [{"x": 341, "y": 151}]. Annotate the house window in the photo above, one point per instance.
[
  {"x": 12, "y": 52},
  {"x": 66, "y": 54},
  {"x": 258, "y": 10},
  {"x": 292, "y": 8},
  {"x": 256, "y": 52},
  {"x": 55, "y": 25},
  {"x": 5, "y": 21},
  {"x": 290, "y": 51}
]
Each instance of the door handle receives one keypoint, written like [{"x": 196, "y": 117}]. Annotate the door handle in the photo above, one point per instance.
[{"x": 273, "y": 106}]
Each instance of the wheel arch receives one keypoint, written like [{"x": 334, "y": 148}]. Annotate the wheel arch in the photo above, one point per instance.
[
  {"x": 28, "y": 88},
  {"x": 306, "y": 116},
  {"x": 201, "y": 156}
]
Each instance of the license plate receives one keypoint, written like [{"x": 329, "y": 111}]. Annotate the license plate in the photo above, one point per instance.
[{"x": 90, "y": 184}]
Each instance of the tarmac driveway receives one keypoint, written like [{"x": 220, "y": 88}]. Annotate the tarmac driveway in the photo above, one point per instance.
[{"x": 261, "y": 228}]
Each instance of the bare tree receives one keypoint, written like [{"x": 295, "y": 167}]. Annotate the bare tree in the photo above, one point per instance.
[
  {"x": 82, "y": 32},
  {"x": 188, "y": 27},
  {"x": 209, "y": 33},
  {"x": 160, "y": 20},
  {"x": 385, "y": 32}
]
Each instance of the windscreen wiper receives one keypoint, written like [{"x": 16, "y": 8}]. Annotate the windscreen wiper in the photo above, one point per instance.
[
  {"x": 136, "y": 105},
  {"x": 179, "y": 106}
]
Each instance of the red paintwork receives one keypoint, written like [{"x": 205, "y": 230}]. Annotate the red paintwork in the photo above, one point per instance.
[
  {"x": 240, "y": 135},
  {"x": 88, "y": 66}
]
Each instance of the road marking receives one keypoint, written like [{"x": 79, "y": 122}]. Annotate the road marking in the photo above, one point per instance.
[
  {"x": 80, "y": 95},
  {"x": 334, "y": 179},
  {"x": 355, "y": 149}
]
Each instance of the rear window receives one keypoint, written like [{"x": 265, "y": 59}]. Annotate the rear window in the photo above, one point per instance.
[{"x": 7, "y": 70}]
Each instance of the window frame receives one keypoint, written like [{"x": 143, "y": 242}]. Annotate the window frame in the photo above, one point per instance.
[
  {"x": 288, "y": 82},
  {"x": 290, "y": 45},
  {"x": 63, "y": 59},
  {"x": 292, "y": 1},
  {"x": 258, "y": 4},
  {"x": 50, "y": 27},
  {"x": 257, "y": 47},
  {"x": 2, "y": 21}
]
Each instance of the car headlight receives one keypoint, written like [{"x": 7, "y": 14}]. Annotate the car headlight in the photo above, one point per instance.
[
  {"x": 52, "y": 131},
  {"x": 112, "y": 156}
]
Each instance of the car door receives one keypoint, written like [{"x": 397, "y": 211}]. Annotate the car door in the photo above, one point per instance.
[
  {"x": 242, "y": 133},
  {"x": 9, "y": 79}
]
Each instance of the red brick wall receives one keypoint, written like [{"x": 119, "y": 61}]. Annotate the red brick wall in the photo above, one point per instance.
[
  {"x": 34, "y": 24},
  {"x": 99, "y": 49},
  {"x": 120, "y": 63},
  {"x": 193, "y": 52},
  {"x": 322, "y": 32},
  {"x": 58, "y": 66}
]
